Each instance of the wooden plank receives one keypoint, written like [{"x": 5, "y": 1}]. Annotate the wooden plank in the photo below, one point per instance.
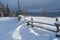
[
  {"x": 42, "y": 23},
  {"x": 43, "y": 28}
]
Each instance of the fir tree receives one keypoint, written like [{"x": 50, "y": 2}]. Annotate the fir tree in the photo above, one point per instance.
[
  {"x": 1, "y": 9},
  {"x": 8, "y": 12}
]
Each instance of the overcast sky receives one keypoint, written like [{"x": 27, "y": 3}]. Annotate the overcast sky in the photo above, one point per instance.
[{"x": 34, "y": 5}]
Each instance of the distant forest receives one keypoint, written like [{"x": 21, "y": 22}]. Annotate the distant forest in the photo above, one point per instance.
[{"x": 6, "y": 12}]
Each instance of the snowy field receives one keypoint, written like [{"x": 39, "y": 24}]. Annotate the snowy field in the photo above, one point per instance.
[{"x": 11, "y": 29}]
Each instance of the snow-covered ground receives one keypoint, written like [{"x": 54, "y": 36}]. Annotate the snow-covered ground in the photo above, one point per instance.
[{"x": 11, "y": 29}]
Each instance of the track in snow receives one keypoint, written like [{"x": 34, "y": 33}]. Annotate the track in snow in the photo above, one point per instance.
[{"x": 16, "y": 34}]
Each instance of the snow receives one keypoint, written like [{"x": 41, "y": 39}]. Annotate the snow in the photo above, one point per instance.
[
  {"x": 57, "y": 23},
  {"x": 32, "y": 31},
  {"x": 10, "y": 29},
  {"x": 5, "y": 18},
  {"x": 16, "y": 35}
]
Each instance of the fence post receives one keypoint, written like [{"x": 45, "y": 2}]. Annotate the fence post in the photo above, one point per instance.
[
  {"x": 19, "y": 17},
  {"x": 31, "y": 21},
  {"x": 28, "y": 23}
]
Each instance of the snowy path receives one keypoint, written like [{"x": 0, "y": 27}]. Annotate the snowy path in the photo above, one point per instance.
[{"x": 16, "y": 33}]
